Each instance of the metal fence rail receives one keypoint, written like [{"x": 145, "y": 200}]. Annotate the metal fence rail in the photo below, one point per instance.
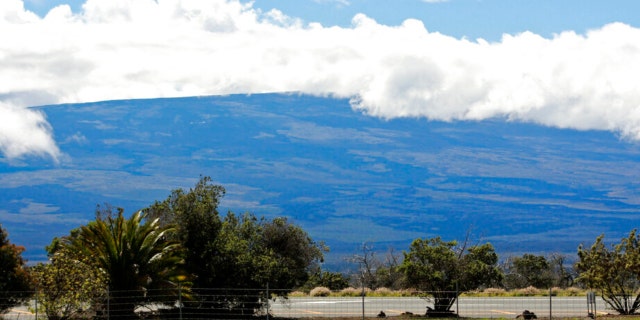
[{"x": 208, "y": 305}]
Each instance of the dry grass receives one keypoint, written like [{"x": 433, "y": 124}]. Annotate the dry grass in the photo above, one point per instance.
[
  {"x": 489, "y": 292},
  {"x": 402, "y": 317}
]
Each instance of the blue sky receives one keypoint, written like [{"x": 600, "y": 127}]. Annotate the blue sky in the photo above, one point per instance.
[{"x": 487, "y": 19}]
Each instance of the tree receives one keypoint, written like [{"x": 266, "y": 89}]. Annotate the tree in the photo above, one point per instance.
[
  {"x": 562, "y": 276},
  {"x": 444, "y": 269},
  {"x": 256, "y": 253},
  {"x": 367, "y": 265},
  {"x": 292, "y": 252},
  {"x": 375, "y": 273},
  {"x": 15, "y": 283},
  {"x": 388, "y": 274},
  {"x": 69, "y": 286},
  {"x": 528, "y": 270},
  {"x": 614, "y": 270},
  {"x": 141, "y": 261},
  {"x": 194, "y": 213},
  {"x": 238, "y": 255},
  {"x": 327, "y": 279}
]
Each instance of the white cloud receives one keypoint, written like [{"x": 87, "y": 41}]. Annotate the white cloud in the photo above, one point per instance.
[
  {"x": 24, "y": 131},
  {"x": 338, "y": 2},
  {"x": 144, "y": 48}
]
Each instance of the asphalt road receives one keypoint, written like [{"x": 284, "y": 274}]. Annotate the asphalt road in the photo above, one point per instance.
[
  {"x": 492, "y": 307},
  {"x": 481, "y": 307}
]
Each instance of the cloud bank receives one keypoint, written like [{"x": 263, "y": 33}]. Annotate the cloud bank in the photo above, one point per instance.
[{"x": 122, "y": 49}]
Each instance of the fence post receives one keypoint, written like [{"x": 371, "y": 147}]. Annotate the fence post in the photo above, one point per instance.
[
  {"x": 108, "y": 301},
  {"x": 362, "y": 271},
  {"x": 457, "y": 300},
  {"x": 268, "y": 298},
  {"x": 180, "y": 298},
  {"x": 550, "y": 304},
  {"x": 37, "y": 303}
]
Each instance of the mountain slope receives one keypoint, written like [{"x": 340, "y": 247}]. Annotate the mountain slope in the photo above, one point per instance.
[{"x": 346, "y": 177}]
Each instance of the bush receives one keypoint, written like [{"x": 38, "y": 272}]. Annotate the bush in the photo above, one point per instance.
[
  {"x": 297, "y": 294},
  {"x": 350, "y": 292},
  {"x": 528, "y": 291},
  {"x": 410, "y": 292},
  {"x": 353, "y": 292},
  {"x": 384, "y": 292},
  {"x": 320, "y": 292},
  {"x": 494, "y": 292},
  {"x": 572, "y": 292}
]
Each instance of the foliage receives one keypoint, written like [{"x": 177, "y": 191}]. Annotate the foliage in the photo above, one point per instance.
[
  {"x": 15, "y": 283},
  {"x": 331, "y": 280},
  {"x": 367, "y": 265},
  {"x": 238, "y": 253},
  {"x": 388, "y": 273},
  {"x": 140, "y": 260},
  {"x": 444, "y": 270},
  {"x": 528, "y": 271},
  {"x": 320, "y": 292},
  {"x": 615, "y": 271},
  {"x": 375, "y": 273},
  {"x": 69, "y": 287},
  {"x": 562, "y": 277},
  {"x": 194, "y": 213}
]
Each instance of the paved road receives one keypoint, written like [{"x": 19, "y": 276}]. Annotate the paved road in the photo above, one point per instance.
[{"x": 467, "y": 307}]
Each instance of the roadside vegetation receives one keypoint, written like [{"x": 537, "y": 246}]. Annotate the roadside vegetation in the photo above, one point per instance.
[
  {"x": 488, "y": 292},
  {"x": 181, "y": 252}
]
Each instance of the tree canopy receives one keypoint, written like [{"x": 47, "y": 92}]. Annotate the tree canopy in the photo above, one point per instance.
[
  {"x": 444, "y": 270},
  {"x": 141, "y": 261},
  {"x": 614, "y": 270},
  {"x": 15, "y": 283},
  {"x": 528, "y": 270},
  {"x": 235, "y": 253},
  {"x": 69, "y": 286}
]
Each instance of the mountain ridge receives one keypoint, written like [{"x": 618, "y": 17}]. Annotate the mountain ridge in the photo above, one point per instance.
[{"x": 345, "y": 177}]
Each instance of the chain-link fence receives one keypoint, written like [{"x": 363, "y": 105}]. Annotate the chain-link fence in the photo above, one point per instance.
[{"x": 245, "y": 304}]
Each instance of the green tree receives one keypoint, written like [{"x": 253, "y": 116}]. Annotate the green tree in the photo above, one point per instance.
[
  {"x": 15, "y": 283},
  {"x": 614, "y": 270},
  {"x": 237, "y": 255},
  {"x": 528, "y": 270},
  {"x": 69, "y": 286},
  {"x": 141, "y": 262},
  {"x": 388, "y": 273},
  {"x": 292, "y": 252},
  {"x": 194, "y": 212},
  {"x": 327, "y": 279},
  {"x": 443, "y": 269}
]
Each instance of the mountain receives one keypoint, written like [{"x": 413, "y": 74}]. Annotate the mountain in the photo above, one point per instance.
[{"x": 344, "y": 176}]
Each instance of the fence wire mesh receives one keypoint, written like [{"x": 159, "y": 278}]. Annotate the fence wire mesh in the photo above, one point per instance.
[{"x": 246, "y": 304}]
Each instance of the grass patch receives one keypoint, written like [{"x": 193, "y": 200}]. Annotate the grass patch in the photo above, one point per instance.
[{"x": 488, "y": 292}]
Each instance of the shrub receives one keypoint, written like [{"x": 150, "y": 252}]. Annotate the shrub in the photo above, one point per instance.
[
  {"x": 320, "y": 292},
  {"x": 383, "y": 292},
  {"x": 297, "y": 294},
  {"x": 410, "y": 292},
  {"x": 494, "y": 292},
  {"x": 572, "y": 292},
  {"x": 528, "y": 291},
  {"x": 350, "y": 292}
]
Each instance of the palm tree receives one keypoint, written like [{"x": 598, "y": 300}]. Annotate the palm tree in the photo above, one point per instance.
[{"x": 141, "y": 261}]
